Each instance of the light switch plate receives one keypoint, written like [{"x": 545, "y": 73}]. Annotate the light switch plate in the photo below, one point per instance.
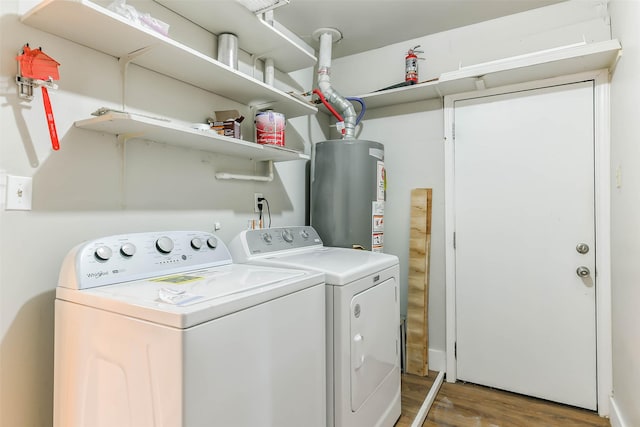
[{"x": 19, "y": 192}]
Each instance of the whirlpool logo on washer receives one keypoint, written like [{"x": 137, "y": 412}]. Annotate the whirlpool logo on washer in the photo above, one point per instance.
[{"x": 97, "y": 274}]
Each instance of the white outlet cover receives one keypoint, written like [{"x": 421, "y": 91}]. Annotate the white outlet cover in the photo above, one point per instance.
[
  {"x": 19, "y": 193},
  {"x": 255, "y": 201}
]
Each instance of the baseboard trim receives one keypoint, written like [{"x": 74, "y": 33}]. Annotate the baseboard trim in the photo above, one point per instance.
[
  {"x": 615, "y": 416},
  {"x": 437, "y": 360},
  {"x": 428, "y": 401}
]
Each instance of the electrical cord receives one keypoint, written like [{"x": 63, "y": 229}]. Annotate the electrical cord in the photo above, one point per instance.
[{"x": 260, "y": 199}]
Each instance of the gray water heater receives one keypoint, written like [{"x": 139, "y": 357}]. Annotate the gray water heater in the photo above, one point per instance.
[{"x": 348, "y": 184}]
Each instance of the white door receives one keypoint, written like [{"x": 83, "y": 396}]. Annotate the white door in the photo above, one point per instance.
[{"x": 524, "y": 202}]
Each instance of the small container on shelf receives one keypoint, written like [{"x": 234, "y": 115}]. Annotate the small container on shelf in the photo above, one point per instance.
[{"x": 270, "y": 127}]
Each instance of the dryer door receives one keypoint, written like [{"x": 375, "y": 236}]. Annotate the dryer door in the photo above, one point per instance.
[{"x": 374, "y": 328}]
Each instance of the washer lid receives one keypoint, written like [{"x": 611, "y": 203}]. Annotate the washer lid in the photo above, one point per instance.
[
  {"x": 340, "y": 265},
  {"x": 189, "y": 298}
]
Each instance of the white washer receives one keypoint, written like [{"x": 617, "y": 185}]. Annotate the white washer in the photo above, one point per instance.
[
  {"x": 162, "y": 329},
  {"x": 363, "y": 317}
]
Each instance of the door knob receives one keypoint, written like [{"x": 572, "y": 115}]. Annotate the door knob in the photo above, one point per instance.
[
  {"x": 583, "y": 271},
  {"x": 582, "y": 248}
]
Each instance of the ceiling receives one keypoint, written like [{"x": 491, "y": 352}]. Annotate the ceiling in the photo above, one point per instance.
[{"x": 370, "y": 24}]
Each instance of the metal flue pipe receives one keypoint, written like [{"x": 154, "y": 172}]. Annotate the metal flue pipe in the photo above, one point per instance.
[{"x": 327, "y": 37}]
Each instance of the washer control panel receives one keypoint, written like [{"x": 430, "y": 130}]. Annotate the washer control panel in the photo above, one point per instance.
[
  {"x": 126, "y": 257},
  {"x": 270, "y": 240}
]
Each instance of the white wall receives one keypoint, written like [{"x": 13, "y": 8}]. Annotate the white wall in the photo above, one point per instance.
[
  {"x": 625, "y": 211},
  {"x": 94, "y": 187},
  {"x": 413, "y": 134}
]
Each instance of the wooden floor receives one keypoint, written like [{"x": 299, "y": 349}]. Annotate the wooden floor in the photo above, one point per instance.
[{"x": 470, "y": 405}]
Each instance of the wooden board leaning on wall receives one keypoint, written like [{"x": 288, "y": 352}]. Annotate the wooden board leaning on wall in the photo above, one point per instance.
[{"x": 418, "y": 280}]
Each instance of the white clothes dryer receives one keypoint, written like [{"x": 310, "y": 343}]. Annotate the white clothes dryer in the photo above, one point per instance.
[
  {"x": 363, "y": 318},
  {"x": 162, "y": 329}
]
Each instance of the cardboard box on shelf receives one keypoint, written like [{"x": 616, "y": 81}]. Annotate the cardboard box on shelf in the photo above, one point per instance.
[{"x": 227, "y": 123}]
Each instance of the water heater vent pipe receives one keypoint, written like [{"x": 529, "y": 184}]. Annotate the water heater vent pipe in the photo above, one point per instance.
[{"x": 327, "y": 36}]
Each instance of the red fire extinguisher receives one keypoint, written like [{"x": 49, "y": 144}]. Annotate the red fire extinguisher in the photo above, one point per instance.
[{"x": 411, "y": 65}]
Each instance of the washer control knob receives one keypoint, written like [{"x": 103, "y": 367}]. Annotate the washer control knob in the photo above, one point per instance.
[
  {"x": 267, "y": 237},
  {"x": 164, "y": 244},
  {"x": 212, "y": 242},
  {"x": 128, "y": 249},
  {"x": 287, "y": 235},
  {"x": 196, "y": 243},
  {"x": 103, "y": 253},
  {"x": 304, "y": 234}
]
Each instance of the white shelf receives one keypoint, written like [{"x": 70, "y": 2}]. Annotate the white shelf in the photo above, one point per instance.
[
  {"x": 255, "y": 35},
  {"x": 93, "y": 26},
  {"x": 534, "y": 66},
  {"x": 402, "y": 95},
  {"x": 530, "y": 67},
  {"x": 181, "y": 135}
]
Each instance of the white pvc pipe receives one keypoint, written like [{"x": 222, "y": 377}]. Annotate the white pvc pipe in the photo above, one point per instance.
[
  {"x": 324, "y": 56},
  {"x": 269, "y": 71}
]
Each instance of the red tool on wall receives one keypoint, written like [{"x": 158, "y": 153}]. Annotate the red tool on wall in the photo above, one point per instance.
[{"x": 35, "y": 68}]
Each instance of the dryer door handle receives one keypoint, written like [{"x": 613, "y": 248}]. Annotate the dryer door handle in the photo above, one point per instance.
[{"x": 358, "y": 351}]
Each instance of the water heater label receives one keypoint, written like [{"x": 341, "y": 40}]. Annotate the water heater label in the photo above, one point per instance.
[
  {"x": 378, "y": 223},
  {"x": 377, "y": 242},
  {"x": 381, "y": 182},
  {"x": 377, "y": 153},
  {"x": 377, "y": 226}
]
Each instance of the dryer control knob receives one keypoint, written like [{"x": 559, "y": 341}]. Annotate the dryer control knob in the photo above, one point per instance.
[
  {"x": 287, "y": 235},
  {"x": 212, "y": 242},
  {"x": 128, "y": 249},
  {"x": 164, "y": 244},
  {"x": 267, "y": 237},
  {"x": 103, "y": 253},
  {"x": 304, "y": 234},
  {"x": 196, "y": 243}
]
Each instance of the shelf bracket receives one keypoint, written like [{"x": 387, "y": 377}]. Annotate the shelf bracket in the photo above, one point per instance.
[
  {"x": 122, "y": 143},
  {"x": 479, "y": 81},
  {"x": 124, "y": 137},
  {"x": 123, "y": 62},
  {"x": 612, "y": 67},
  {"x": 438, "y": 91},
  {"x": 258, "y": 178}
]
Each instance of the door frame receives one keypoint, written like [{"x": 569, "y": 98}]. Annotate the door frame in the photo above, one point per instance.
[{"x": 602, "y": 222}]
